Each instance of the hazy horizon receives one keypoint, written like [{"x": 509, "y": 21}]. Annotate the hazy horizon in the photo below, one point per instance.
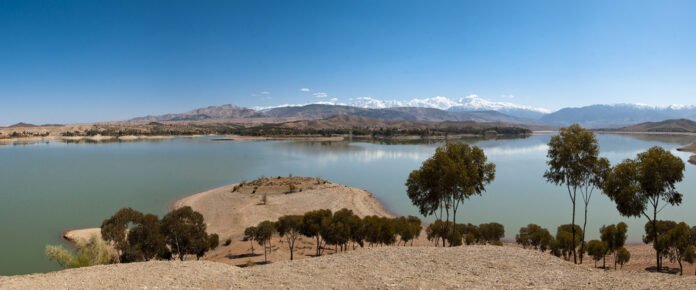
[{"x": 85, "y": 61}]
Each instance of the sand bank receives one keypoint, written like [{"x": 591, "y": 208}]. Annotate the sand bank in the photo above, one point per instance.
[{"x": 280, "y": 138}]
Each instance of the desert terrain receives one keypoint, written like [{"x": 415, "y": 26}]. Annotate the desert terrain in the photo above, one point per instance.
[{"x": 470, "y": 267}]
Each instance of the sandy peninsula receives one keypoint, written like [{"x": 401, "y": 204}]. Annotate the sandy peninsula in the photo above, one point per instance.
[
  {"x": 228, "y": 210},
  {"x": 690, "y": 148}
]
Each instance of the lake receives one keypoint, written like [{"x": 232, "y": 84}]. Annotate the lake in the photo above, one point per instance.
[{"x": 49, "y": 187}]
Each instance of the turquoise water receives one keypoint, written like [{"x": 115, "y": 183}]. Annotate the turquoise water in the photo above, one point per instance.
[{"x": 46, "y": 188}]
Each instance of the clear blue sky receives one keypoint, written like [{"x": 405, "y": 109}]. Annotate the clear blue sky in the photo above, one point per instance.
[{"x": 80, "y": 61}]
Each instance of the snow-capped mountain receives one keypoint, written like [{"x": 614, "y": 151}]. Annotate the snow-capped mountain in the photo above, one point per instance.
[
  {"x": 618, "y": 115},
  {"x": 469, "y": 103}
]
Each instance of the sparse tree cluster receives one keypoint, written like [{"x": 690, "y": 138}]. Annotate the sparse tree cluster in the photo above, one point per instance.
[
  {"x": 340, "y": 229},
  {"x": 141, "y": 237},
  {"x": 488, "y": 233}
]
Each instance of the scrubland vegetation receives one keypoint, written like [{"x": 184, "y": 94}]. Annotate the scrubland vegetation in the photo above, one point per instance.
[{"x": 135, "y": 237}]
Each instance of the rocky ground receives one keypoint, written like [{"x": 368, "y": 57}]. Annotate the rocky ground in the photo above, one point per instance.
[{"x": 471, "y": 267}]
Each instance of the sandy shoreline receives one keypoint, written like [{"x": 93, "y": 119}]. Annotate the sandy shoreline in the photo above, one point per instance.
[{"x": 96, "y": 138}]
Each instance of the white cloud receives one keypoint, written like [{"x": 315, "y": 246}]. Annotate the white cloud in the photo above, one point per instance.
[
  {"x": 320, "y": 95},
  {"x": 265, "y": 93},
  {"x": 306, "y": 90}
]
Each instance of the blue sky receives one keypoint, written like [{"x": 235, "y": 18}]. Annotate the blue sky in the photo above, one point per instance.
[{"x": 83, "y": 61}]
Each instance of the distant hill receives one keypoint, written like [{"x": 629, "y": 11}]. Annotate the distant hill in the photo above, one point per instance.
[
  {"x": 313, "y": 112},
  {"x": 616, "y": 116},
  {"x": 671, "y": 126},
  {"x": 22, "y": 125},
  {"x": 349, "y": 122},
  {"x": 320, "y": 111},
  {"x": 212, "y": 112},
  {"x": 594, "y": 117}
]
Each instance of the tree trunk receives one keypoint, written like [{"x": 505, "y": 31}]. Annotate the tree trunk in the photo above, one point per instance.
[
  {"x": 572, "y": 226},
  {"x": 681, "y": 269},
  {"x": 454, "y": 218},
  {"x": 318, "y": 246},
  {"x": 291, "y": 245},
  {"x": 265, "y": 255},
  {"x": 604, "y": 262},
  {"x": 582, "y": 242},
  {"x": 655, "y": 244}
]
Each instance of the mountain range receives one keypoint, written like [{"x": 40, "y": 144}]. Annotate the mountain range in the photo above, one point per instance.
[{"x": 439, "y": 109}]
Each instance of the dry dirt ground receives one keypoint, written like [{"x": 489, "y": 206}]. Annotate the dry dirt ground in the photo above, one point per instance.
[{"x": 470, "y": 267}]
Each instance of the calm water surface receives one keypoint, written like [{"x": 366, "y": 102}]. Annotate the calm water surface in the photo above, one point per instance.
[{"x": 46, "y": 188}]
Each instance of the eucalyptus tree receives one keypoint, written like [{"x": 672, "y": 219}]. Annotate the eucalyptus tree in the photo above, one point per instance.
[
  {"x": 185, "y": 233},
  {"x": 574, "y": 163},
  {"x": 264, "y": 233},
  {"x": 679, "y": 244},
  {"x": 312, "y": 226},
  {"x": 113, "y": 229},
  {"x": 289, "y": 227},
  {"x": 644, "y": 186},
  {"x": 444, "y": 181},
  {"x": 534, "y": 236},
  {"x": 615, "y": 238}
]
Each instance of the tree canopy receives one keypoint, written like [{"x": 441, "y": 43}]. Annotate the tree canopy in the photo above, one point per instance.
[
  {"x": 453, "y": 174},
  {"x": 644, "y": 186}
]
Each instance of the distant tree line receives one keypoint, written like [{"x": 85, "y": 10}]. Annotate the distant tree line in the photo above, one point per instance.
[{"x": 159, "y": 129}]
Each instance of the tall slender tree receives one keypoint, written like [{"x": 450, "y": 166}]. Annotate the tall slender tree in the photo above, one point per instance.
[
  {"x": 645, "y": 186},
  {"x": 574, "y": 163}
]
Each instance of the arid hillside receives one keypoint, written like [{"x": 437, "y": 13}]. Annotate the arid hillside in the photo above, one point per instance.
[{"x": 470, "y": 267}]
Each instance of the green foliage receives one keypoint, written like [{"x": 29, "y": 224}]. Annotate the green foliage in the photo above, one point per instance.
[
  {"x": 114, "y": 228},
  {"x": 408, "y": 228},
  {"x": 89, "y": 253},
  {"x": 185, "y": 232},
  {"x": 145, "y": 240},
  {"x": 438, "y": 230},
  {"x": 623, "y": 256},
  {"x": 290, "y": 228},
  {"x": 643, "y": 186},
  {"x": 263, "y": 234},
  {"x": 453, "y": 174},
  {"x": 312, "y": 226},
  {"x": 491, "y": 233},
  {"x": 678, "y": 244},
  {"x": 379, "y": 230},
  {"x": 597, "y": 250},
  {"x": 574, "y": 163},
  {"x": 534, "y": 236},
  {"x": 615, "y": 237},
  {"x": 567, "y": 241},
  {"x": 250, "y": 236}
]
